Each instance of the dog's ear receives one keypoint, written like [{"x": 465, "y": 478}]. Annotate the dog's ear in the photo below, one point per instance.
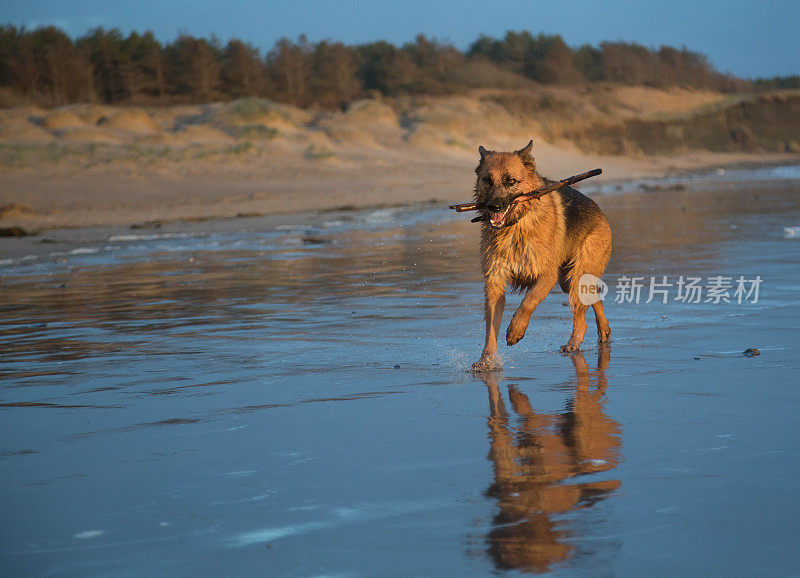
[
  {"x": 526, "y": 151},
  {"x": 483, "y": 152},
  {"x": 527, "y": 158}
]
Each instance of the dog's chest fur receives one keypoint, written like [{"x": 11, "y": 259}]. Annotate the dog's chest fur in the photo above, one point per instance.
[{"x": 517, "y": 254}]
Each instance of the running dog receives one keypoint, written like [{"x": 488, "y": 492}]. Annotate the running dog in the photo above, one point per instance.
[{"x": 529, "y": 245}]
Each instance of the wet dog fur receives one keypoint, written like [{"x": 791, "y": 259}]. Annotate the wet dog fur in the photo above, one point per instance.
[{"x": 531, "y": 245}]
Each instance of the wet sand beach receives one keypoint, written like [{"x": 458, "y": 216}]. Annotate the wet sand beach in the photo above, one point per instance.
[{"x": 291, "y": 395}]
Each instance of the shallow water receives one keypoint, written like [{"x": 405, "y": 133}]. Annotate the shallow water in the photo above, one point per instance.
[{"x": 292, "y": 398}]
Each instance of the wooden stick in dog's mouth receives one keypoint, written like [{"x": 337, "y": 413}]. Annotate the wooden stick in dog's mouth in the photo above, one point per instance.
[{"x": 500, "y": 215}]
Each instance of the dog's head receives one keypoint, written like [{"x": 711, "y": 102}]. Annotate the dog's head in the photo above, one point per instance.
[{"x": 501, "y": 175}]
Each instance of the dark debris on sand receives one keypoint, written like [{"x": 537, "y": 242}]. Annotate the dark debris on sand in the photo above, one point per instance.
[{"x": 14, "y": 232}]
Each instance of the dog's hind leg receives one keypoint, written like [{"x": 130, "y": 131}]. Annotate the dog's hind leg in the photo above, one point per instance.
[
  {"x": 495, "y": 302},
  {"x": 578, "y": 328},
  {"x": 591, "y": 258},
  {"x": 567, "y": 276},
  {"x": 534, "y": 296},
  {"x": 603, "y": 328}
]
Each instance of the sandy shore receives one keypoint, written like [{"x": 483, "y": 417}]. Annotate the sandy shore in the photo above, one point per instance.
[
  {"x": 58, "y": 198},
  {"x": 88, "y": 165}
]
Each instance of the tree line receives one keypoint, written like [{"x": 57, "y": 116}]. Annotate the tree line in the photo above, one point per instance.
[{"x": 47, "y": 67}]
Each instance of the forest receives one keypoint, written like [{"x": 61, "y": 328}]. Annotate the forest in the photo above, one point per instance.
[{"x": 46, "y": 67}]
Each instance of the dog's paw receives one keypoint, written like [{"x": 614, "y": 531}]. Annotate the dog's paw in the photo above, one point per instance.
[
  {"x": 570, "y": 348},
  {"x": 487, "y": 363},
  {"x": 514, "y": 333}
]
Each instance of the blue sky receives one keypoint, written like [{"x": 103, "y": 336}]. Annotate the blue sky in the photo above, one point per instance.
[{"x": 747, "y": 38}]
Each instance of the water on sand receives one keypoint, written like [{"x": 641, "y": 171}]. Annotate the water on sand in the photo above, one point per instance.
[{"x": 293, "y": 398}]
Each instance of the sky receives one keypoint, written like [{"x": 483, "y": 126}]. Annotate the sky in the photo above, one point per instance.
[{"x": 747, "y": 38}]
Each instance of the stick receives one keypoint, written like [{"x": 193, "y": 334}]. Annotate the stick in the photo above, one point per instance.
[{"x": 533, "y": 194}]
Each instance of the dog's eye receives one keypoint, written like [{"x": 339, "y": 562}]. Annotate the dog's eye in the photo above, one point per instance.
[{"x": 510, "y": 181}]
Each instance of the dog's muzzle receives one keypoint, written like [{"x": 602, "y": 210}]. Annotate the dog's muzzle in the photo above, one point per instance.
[{"x": 498, "y": 210}]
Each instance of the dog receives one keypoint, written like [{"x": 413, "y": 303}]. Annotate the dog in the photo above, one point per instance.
[{"x": 531, "y": 244}]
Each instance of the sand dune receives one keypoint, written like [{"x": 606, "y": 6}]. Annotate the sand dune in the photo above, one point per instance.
[{"x": 89, "y": 164}]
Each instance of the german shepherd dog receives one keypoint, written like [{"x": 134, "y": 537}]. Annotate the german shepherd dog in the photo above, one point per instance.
[{"x": 530, "y": 245}]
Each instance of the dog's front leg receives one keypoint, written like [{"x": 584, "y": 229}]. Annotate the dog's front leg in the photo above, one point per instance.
[
  {"x": 495, "y": 302},
  {"x": 535, "y": 295}
]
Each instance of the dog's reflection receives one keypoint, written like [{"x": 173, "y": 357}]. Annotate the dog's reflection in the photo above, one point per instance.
[{"x": 535, "y": 454}]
